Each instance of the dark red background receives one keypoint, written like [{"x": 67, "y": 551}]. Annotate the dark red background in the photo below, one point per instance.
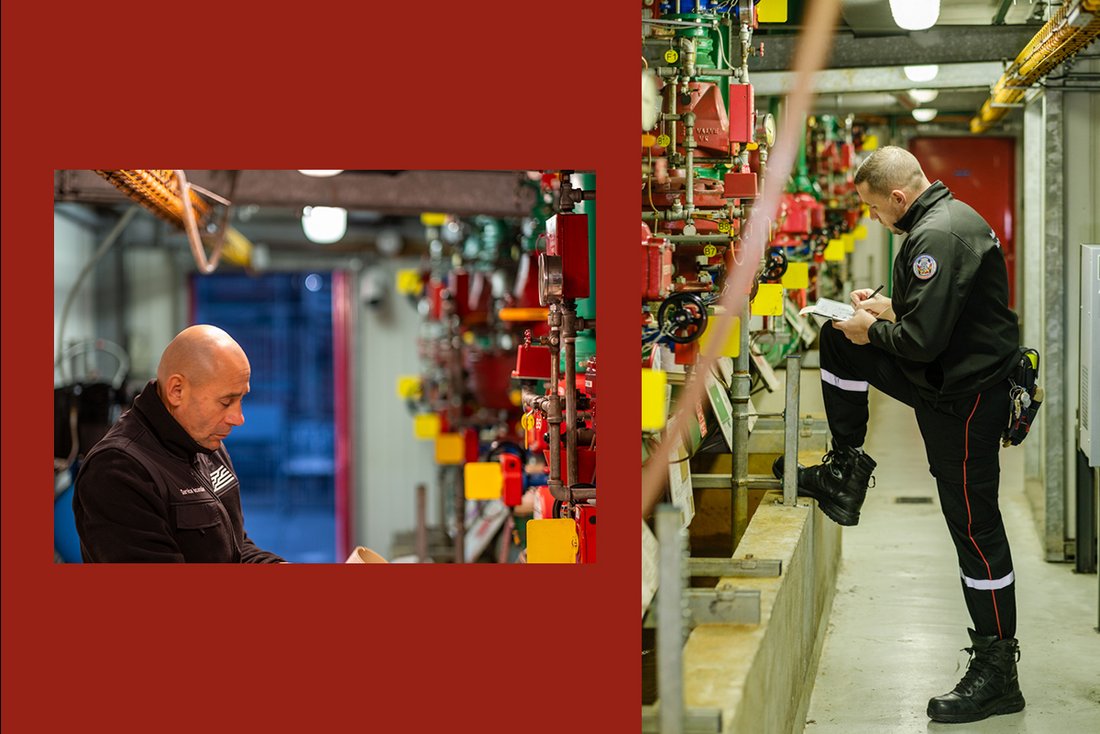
[{"x": 315, "y": 648}]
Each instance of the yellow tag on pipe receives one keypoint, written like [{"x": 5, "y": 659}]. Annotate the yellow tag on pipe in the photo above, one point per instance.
[
  {"x": 769, "y": 300},
  {"x": 771, "y": 11},
  {"x": 849, "y": 241},
  {"x": 408, "y": 282},
  {"x": 732, "y": 347},
  {"x": 426, "y": 426},
  {"x": 408, "y": 387},
  {"x": 484, "y": 480},
  {"x": 797, "y": 276},
  {"x": 450, "y": 449},
  {"x": 835, "y": 250},
  {"x": 860, "y": 232},
  {"x": 552, "y": 541},
  {"x": 654, "y": 383}
]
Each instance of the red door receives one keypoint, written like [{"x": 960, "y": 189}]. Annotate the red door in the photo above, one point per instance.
[{"x": 982, "y": 173}]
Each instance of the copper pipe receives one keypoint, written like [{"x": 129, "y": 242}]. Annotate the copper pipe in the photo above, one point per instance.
[
  {"x": 569, "y": 337},
  {"x": 553, "y": 415},
  {"x": 422, "y": 523},
  {"x": 191, "y": 226}
]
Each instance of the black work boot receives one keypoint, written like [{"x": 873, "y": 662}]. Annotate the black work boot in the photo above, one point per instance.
[
  {"x": 839, "y": 483},
  {"x": 989, "y": 687}
]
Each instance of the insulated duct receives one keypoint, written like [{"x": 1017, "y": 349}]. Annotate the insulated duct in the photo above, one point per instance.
[
  {"x": 167, "y": 194},
  {"x": 1072, "y": 27}
]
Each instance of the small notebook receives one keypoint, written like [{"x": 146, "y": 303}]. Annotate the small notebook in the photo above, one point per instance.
[{"x": 830, "y": 309}]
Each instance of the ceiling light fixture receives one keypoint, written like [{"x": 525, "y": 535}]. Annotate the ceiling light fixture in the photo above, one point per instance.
[
  {"x": 922, "y": 72},
  {"x": 915, "y": 15},
  {"x": 320, "y": 174},
  {"x": 324, "y": 224},
  {"x": 925, "y": 114},
  {"x": 923, "y": 96}
]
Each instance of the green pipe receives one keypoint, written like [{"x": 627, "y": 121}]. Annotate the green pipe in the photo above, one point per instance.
[
  {"x": 800, "y": 182},
  {"x": 586, "y": 307}
]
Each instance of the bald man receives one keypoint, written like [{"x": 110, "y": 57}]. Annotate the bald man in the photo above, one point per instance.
[
  {"x": 944, "y": 344},
  {"x": 160, "y": 487}
]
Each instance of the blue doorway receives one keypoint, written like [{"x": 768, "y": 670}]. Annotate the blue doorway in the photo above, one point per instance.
[{"x": 284, "y": 454}]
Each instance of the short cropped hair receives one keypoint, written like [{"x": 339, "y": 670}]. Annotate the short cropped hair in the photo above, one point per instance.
[{"x": 890, "y": 168}]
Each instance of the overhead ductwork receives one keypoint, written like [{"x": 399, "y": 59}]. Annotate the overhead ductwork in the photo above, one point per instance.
[{"x": 1072, "y": 27}]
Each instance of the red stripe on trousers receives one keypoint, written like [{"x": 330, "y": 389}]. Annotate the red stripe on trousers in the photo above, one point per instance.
[{"x": 966, "y": 496}]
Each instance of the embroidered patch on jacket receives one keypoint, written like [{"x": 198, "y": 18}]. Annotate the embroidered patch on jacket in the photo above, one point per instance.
[
  {"x": 221, "y": 478},
  {"x": 924, "y": 267}
]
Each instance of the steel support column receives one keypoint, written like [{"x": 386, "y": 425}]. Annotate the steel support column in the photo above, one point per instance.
[{"x": 1054, "y": 325}]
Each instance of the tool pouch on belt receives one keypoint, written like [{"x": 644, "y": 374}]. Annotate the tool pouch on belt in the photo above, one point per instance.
[{"x": 1025, "y": 397}]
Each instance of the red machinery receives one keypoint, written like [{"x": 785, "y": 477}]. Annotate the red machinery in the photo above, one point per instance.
[{"x": 501, "y": 375}]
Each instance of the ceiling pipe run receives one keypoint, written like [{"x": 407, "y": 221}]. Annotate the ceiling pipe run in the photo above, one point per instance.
[{"x": 1072, "y": 27}]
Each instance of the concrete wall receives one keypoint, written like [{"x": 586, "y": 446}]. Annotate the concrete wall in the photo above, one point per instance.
[
  {"x": 1081, "y": 111},
  {"x": 155, "y": 307},
  {"x": 870, "y": 262},
  {"x": 1061, "y": 188},
  {"x": 761, "y": 676},
  {"x": 73, "y": 246},
  {"x": 390, "y": 462}
]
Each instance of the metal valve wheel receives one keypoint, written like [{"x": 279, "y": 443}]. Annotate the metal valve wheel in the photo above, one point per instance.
[
  {"x": 682, "y": 317},
  {"x": 775, "y": 265}
]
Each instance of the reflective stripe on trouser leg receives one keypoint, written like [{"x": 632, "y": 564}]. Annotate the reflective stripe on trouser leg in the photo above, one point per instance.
[
  {"x": 846, "y": 370},
  {"x": 962, "y": 446},
  {"x": 843, "y": 389},
  {"x": 839, "y": 382},
  {"x": 985, "y": 560}
]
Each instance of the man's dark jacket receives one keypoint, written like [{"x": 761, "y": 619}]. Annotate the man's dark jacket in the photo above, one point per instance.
[
  {"x": 148, "y": 493},
  {"x": 955, "y": 334}
]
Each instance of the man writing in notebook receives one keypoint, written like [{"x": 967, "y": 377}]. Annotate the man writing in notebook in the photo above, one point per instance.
[{"x": 943, "y": 344}]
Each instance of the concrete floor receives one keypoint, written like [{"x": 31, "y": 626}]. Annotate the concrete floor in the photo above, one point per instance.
[{"x": 898, "y": 620}]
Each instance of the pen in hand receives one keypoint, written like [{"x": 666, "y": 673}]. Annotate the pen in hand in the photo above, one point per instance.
[{"x": 868, "y": 298}]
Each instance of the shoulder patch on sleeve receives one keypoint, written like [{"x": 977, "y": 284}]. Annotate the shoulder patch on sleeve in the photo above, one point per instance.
[{"x": 924, "y": 267}]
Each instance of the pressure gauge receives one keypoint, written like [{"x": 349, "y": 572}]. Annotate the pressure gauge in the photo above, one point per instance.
[
  {"x": 551, "y": 280},
  {"x": 651, "y": 99},
  {"x": 769, "y": 129}
]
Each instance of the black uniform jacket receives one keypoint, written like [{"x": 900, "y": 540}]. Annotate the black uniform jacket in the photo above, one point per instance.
[
  {"x": 148, "y": 492},
  {"x": 955, "y": 334}
]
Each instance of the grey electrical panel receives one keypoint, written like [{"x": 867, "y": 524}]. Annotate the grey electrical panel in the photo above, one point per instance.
[{"x": 1089, "y": 410}]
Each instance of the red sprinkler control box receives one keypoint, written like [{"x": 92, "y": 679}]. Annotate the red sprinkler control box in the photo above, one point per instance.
[{"x": 567, "y": 237}]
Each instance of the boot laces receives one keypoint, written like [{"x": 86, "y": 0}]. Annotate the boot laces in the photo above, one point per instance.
[
  {"x": 976, "y": 667},
  {"x": 843, "y": 464},
  {"x": 835, "y": 458}
]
